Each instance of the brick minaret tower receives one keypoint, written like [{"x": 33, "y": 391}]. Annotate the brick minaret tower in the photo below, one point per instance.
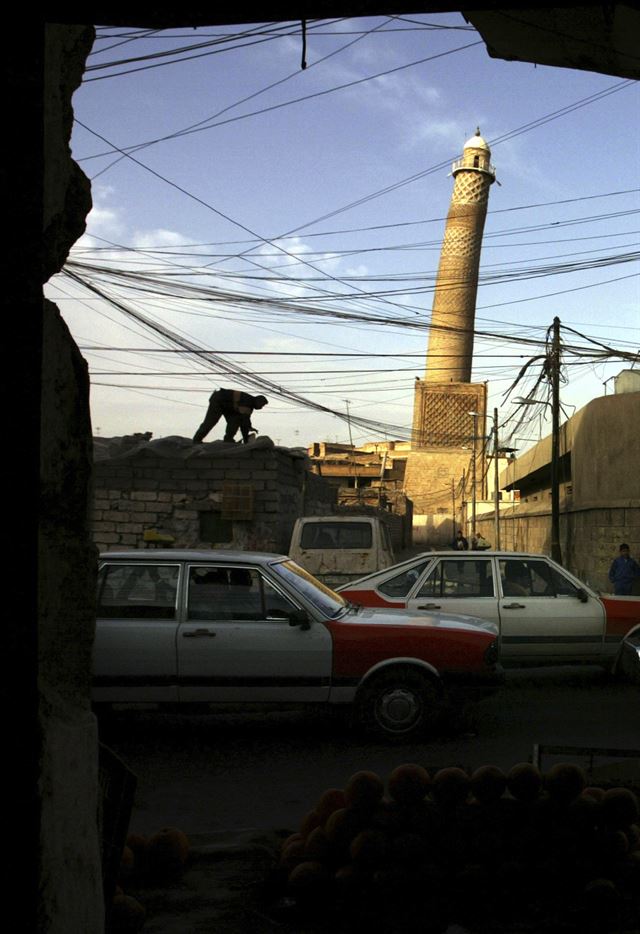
[
  {"x": 446, "y": 395},
  {"x": 450, "y": 351},
  {"x": 445, "y": 468}
]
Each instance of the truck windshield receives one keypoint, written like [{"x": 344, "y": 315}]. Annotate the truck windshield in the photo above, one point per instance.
[{"x": 322, "y": 597}]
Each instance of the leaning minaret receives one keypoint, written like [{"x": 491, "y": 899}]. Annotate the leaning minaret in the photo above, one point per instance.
[
  {"x": 450, "y": 351},
  {"x": 445, "y": 466}
]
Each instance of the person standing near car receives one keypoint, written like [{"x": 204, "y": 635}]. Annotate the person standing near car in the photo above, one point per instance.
[
  {"x": 623, "y": 571},
  {"x": 237, "y": 408},
  {"x": 460, "y": 543}
]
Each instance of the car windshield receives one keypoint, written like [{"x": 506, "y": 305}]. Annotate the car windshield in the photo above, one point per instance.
[{"x": 322, "y": 597}]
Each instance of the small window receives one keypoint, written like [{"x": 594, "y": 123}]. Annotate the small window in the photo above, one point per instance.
[
  {"x": 321, "y": 535},
  {"x": 213, "y": 528},
  {"x": 139, "y": 591},
  {"x": 401, "y": 584}
]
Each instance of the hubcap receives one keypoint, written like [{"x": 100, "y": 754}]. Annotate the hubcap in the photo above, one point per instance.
[{"x": 398, "y": 710}]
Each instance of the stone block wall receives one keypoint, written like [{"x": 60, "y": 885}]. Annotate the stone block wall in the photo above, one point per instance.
[{"x": 257, "y": 491}]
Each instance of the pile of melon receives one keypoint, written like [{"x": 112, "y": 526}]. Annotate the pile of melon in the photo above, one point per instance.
[
  {"x": 489, "y": 851},
  {"x": 159, "y": 858}
]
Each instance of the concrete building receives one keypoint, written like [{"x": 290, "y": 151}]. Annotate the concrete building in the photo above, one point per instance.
[{"x": 369, "y": 478}]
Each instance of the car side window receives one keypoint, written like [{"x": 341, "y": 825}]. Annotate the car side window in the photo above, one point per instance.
[
  {"x": 459, "y": 579},
  {"x": 137, "y": 591},
  {"x": 401, "y": 584},
  {"x": 515, "y": 578},
  {"x": 277, "y": 605},
  {"x": 223, "y": 593},
  {"x": 562, "y": 585}
]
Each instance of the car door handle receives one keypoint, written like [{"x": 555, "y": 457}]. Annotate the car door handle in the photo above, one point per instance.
[
  {"x": 430, "y": 606},
  {"x": 513, "y": 606},
  {"x": 197, "y": 633}
]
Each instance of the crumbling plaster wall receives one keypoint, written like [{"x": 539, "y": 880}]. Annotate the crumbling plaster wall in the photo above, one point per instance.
[{"x": 70, "y": 878}]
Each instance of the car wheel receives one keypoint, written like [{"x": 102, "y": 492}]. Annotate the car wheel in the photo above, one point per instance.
[{"x": 400, "y": 704}]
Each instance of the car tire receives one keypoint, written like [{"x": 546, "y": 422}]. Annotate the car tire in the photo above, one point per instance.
[{"x": 400, "y": 704}]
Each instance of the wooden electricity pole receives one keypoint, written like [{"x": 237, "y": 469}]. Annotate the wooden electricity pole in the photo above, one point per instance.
[{"x": 554, "y": 366}]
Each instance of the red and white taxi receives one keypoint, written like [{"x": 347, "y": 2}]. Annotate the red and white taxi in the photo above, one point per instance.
[
  {"x": 545, "y": 615},
  {"x": 229, "y": 627}
]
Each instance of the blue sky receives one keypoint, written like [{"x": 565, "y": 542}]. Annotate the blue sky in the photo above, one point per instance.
[{"x": 280, "y": 186}]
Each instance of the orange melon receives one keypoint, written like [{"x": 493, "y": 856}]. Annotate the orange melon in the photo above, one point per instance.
[
  {"x": 317, "y": 847},
  {"x": 364, "y": 790},
  {"x": 619, "y": 808},
  {"x": 342, "y": 826},
  {"x": 368, "y": 849},
  {"x": 450, "y": 786},
  {"x": 293, "y": 854},
  {"x": 524, "y": 782},
  {"x": 564, "y": 782},
  {"x": 488, "y": 784},
  {"x": 309, "y": 822},
  {"x": 333, "y": 799},
  {"x": 409, "y": 783},
  {"x": 168, "y": 850}
]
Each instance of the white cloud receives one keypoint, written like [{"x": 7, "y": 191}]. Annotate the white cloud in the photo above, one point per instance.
[{"x": 147, "y": 239}]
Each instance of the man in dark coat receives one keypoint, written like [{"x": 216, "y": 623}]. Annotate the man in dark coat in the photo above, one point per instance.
[
  {"x": 623, "y": 571},
  {"x": 237, "y": 408}
]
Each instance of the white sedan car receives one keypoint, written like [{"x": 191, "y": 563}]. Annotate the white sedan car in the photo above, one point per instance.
[
  {"x": 545, "y": 615},
  {"x": 207, "y": 627}
]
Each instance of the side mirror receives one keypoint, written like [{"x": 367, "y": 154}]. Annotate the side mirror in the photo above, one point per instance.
[
  {"x": 582, "y": 595},
  {"x": 299, "y": 618}
]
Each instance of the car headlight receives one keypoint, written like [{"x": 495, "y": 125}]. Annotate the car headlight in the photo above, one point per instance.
[{"x": 491, "y": 654}]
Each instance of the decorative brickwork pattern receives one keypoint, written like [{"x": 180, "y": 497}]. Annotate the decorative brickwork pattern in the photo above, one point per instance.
[{"x": 441, "y": 414}]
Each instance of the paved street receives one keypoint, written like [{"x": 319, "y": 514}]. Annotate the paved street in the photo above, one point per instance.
[{"x": 243, "y": 770}]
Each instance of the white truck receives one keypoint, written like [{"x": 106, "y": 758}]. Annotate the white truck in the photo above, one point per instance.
[{"x": 338, "y": 549}]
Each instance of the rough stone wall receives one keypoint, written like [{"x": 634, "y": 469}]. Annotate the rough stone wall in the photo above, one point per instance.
[
  {"x": 147, "y": 490},
  {"x": 70, "y": 897}
]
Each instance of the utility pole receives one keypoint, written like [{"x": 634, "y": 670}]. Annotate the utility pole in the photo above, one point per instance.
[
  {"x": 474, "y": 493},
  {"x": 453, "y": 509},
  {"x": 463, "y": 504},
  {"x": 554, "y": 366},
  {"x": 496, "y": 481},
  {"x": 349, "y": 422}
]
